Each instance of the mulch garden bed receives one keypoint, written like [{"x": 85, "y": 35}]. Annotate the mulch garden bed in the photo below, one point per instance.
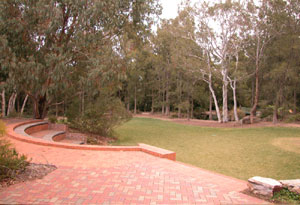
[{"x": 32, "y": 171}]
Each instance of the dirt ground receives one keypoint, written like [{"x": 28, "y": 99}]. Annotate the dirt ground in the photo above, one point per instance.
[{"x": 210, "y": 123}]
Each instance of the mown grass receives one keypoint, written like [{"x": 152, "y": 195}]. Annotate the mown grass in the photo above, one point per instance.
[{"x": 237, "y": 152}]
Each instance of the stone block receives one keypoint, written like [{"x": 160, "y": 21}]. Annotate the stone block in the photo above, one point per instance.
[{"x": 264, "y": 186}]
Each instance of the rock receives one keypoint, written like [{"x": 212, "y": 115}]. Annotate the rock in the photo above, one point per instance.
[
  {"x": 264, "y": 186},
  {"x": 292, "y": 185}
]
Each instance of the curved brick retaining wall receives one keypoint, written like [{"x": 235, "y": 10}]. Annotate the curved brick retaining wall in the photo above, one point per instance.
[{"x": 158, "y": 152}]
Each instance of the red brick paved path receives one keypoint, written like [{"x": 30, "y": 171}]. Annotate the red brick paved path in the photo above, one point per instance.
[{"x": 102, "y": 177}]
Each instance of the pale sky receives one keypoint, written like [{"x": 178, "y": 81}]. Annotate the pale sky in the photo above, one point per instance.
[{"x": 169, "y": 8}]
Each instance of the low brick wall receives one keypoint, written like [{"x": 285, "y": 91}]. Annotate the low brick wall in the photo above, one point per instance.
[
  {"x": 158, "y": 152},
  {"x": 59, "y": 137},
  {"x": 36, "y": 128},
  {"x": 155, "y": 151},
  {"x": 59, "y": 127}
]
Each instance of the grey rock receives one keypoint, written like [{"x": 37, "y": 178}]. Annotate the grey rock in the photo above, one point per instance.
[{"x": 264, "y": 186}]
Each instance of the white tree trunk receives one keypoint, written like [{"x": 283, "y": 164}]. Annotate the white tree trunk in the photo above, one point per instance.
[
  {"x": 233, "y": 86},
  {"x": 11, "y": 103},
  {"x": 225, "y": 96},
  {"x": 215, "y": 99},
  {"x": 3, "y": 103},
  {"x": 210, "y": 106},
  {"x": 24, "y": 103}
]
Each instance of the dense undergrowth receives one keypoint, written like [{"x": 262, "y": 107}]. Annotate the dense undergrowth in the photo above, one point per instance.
[
  {"x": 11, "y": 162},
  {"x": 286, "y": 196}
]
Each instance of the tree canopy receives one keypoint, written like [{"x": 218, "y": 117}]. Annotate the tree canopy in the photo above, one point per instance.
[{"x": 213, "y": 60}]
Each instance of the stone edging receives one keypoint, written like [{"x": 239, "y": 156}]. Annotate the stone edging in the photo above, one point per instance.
[{"x": 155, "y": 151}]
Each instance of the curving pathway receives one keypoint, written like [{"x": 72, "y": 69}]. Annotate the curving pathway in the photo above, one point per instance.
[{"x": 109, "y": 177}]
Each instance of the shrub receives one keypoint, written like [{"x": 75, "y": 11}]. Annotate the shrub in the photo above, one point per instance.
[
  {"x": 52, "y": 119},
  {"x": 293, "y": 118},
  {"x": 2, "y": 128},
  {"x": 11, "y": 163},
  {"x": 100, "y": 117},
  {"x": 241, "y": 114},
  {"x": 286, "y": 196},
  {"x": 13, "y": 114},
  {"x": 267, "y": 111},
  {"x": 92, "y": 141}
]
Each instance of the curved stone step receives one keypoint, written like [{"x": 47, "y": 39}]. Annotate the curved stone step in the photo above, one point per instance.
[
  {"x": 59, "y": 135},
  {"x": 30, "y": 128}
]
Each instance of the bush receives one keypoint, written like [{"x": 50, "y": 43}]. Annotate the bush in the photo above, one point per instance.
[
  {"x": 293, "y": 118},
  {"x": 241, "y": 114},
  {"x": 267, "y": 111},
  {"x": 286, "y": 196},
  {"x": 52, "y": 119},
  {"x": 11, "y": 163},
  {"x": 92, "y": 141},
  {"x": 13, "y": 114},
  {"x": 100, "y": 117}
]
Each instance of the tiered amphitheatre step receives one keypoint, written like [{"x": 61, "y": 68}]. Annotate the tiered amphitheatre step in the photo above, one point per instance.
[
  {"x": 24, "y": 132},
  {"x": 40, "y": 130}
]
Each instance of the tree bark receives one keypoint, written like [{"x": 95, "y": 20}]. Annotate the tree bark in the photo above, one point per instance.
[
  {"x": 275, "y": 116},
  {"x": 11, "y": 103},
  {"x": 210, "y": 106},
  {"x": 295, "y": 102},
  {"x": 152, "y": 101},
  {"x": 3, "y": 103},
  {"x": 167, "y": 96},
  {"x": 24, "y": 104},
  {"x": 275, "y": 111},
  {"x": 40, "y": 107},
  {"x": 252, "y": 91},
  {"x": 215, "y": 99},
  {"x": 256, "y": 98},
  {"x": 236, "y": 116},
  {"x": 192, "y": 109},
  {"x": 225, "y": 96},
  {"x": 180, "y": 98},
  {"x": 163, "y": 101},
  {"x": 233, "y": 87},
  {"x": 127, "y": 102},
  {"x": 135, "y": 101},
  {"x": 253, "y": 110},
  {"x": 82, "y": 103}
]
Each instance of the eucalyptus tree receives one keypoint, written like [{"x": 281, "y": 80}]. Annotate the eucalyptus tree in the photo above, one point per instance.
[
  {"x": 260, "y": 34},
  {"x": 196, "y": 35},
  {"x": 225, "y": 28},
  {"x": 4, "y": 52},
  {"x": 217, "y": 32},
  {"x": 54, "y": 41},
  {"x": 163, "y": 43},
  {"x": 282, "y": 58}
]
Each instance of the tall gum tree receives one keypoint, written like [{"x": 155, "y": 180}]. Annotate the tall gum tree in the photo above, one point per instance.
[
  {"x": 51, "y": 40},
  {"x": 260, "y": 35},
  {"x": 217, "y": 27}
]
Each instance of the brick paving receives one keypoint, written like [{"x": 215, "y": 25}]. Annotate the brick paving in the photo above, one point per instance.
[{"x": 106, "y": 177}]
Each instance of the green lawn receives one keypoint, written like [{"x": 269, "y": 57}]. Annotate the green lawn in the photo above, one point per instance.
[{"x": 237, "y": 152}]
